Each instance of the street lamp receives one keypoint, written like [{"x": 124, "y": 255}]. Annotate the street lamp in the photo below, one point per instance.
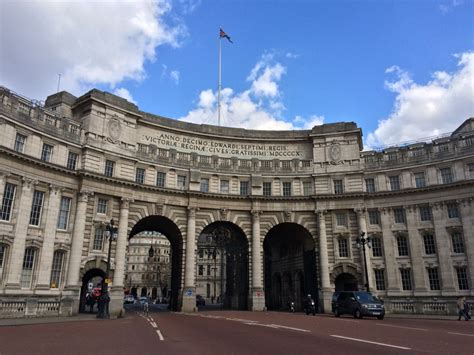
[
  {"x": 103, "y": 304},
  {"x": 362, "y": 241}
]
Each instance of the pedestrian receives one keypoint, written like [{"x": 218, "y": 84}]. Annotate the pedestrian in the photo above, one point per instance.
[
  {"x": 463, "y": 309},
  {"x": 145, "y": 307}
]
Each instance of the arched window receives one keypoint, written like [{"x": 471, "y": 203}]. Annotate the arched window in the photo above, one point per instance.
[
  {"x": 28, "y": 269},
  {"x": 56, "y": 268}
]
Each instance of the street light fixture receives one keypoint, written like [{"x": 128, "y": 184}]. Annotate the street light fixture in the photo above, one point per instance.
[
  {"x": 362, "y": 241},
  {"x": 103, "y": 304}
]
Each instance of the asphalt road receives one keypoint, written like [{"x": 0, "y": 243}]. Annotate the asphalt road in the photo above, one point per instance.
[{"x": 233, "y": 332}]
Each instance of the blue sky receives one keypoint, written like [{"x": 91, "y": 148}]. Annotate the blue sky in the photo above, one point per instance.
[{"x": 400, "y": 69}]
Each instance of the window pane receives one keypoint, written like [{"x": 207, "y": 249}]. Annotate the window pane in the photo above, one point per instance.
[
  {"x": 376, "y": 247},
  {"x": 36, "y": 207},
  {"x": 370, "y": 185},
  {"x": 20, "y": 143},
  {"x": 102, "y": 206},
  {"x": 463, "y": 282},
  {"x": 46, "y": 152},
  {"x": 287, "y": 189},
  {"x": 160, "y": 179},
  {"x": 338, "y": 187},
  {"x": 140, "y": 176},
  {"x": 399, "y": 215},
  {"x": 7, "y": 202},
  {"x": 343, "y": 248},
  {"x": 109, "y": 168},
  {"x": 28, "y": 267},
  {"x": 267, "y": 189},
  {"x": 458, "y": 242},
  {"x": 98, "y": 239},
  {"x": 420, "y": 180},
  {"x": 244, "y": 188},
  {"x": 453, "y": 211},
  {"x": 64, "y": 212},
  {"x": 204, "y": 185},
  {"x": 433, "y": 279},
  {"x": 379, "y": 279},
  {"x": 56, "y": 269},
  {"x": 429, "y": 243},
  {"x": 405, "y": 275},
  {"x": 72, "y": 161},
  {"x": 225, "y": 186},
  {"x": 402, "y": 245},
  {"x": 394, "y": 183}
]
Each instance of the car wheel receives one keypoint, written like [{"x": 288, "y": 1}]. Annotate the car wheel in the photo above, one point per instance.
[
  {"x": 337, "y": 314},
  {"x": 357, "y": 314},
  {"x": 380, "y": 317}
]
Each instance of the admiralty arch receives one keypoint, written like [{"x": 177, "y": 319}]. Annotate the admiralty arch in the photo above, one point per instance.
[{"x": 285, "y": 207}]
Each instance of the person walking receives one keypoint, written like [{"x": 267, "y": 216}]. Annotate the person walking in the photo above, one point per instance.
[
  {"x": 145, "y": 307},
  {"x": 463, "y": 309}
]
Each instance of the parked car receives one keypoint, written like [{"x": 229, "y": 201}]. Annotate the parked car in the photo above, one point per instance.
[
  {"x": 143, "y": 300},
  {"x": 129, "y": 299},
  {"x": 200, "y": 301},
  {"x": 358, "y": 304}
]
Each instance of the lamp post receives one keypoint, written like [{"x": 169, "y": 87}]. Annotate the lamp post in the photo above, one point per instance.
[
  {"x": 111, "y": 233},
  {"x": 362, "y": 241}
]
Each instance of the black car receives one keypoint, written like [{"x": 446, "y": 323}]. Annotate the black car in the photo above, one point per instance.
[
  {"x": 200, "y": 301},
  {"x": 358, "y": 304}
]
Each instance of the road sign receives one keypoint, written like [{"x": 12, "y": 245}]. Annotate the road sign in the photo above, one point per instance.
[
  {"x": 189, "y": 292},
  {"x": 108, "y": 281}
]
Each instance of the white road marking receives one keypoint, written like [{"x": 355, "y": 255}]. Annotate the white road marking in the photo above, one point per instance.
[
  {"x": 399, "y": 326},
  {"x": 159, "y": 334},
  {"x": 263, "y": 325},
  {"x": 277, "y": 326},
  {"x": 467, "y": 335},
  {"x": 372, "y": 342},
  {"x": 153, "y": 324}
]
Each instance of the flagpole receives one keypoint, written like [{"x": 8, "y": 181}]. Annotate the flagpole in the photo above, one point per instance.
[{"x": 219, "y": 85}]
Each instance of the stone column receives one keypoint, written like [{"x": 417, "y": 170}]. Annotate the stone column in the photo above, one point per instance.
[
  {"x": 21, "y": 230},
  {"x": 467, "y": 219},
  {"x": 389, "y": 252},
  {"x": 443, "y": 246},
  {"x": 324, "y": 263},
  {"x": 77, "y": 240},
  {"x": 258, "y": 296},
  {"x": 363, "y": 228},
  {"x": 116, "y": 292},
  {"x": 189, "y": 293},
  {"x": 416, "y": 250},
  {"x": 47, "y": 249}
]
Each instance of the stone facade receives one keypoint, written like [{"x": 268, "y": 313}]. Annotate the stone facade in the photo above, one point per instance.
[{"x": 69, "y": 166}]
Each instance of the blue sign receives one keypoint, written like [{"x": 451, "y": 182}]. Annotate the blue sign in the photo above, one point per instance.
[{"x": 189, "y": 292}]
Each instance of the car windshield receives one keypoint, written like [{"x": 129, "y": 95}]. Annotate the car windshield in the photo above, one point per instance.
[{"x": 366, "y": 298}]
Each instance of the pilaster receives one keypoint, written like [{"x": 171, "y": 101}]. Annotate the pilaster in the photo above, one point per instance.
[
  {"x": 362, "y": 221},
  {"x": 389, "y": 251},
  {"x": 324, "y": 262},
  {"x": 258, "y": 296},
  {"x": 416, "y": 250},
  {"x": 47, "y": 249},
  {"x": 189, "y": 292},
  {"x": 467, "y": 219}
]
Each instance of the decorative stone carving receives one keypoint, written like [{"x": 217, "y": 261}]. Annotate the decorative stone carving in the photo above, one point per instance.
[
  {"x": 29, "y": 183},
  {"x": 84, "y": 195},
  {"x": 125, "y": 202},
  {"x": 224, "y": 214},
  {"x": 158, "y": 209},
  {"x": 335, "y": 154},
  {"x": 288, "y": 215},
  {"x": 114, "y": 128}
]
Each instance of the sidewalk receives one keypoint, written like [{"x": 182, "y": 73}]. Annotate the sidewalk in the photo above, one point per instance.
[
  {"x": 421, "y": 316},
  {"x": 47, "y": 320}
]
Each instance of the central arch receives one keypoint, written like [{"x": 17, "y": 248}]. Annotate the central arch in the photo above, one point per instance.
[
  {"x": 222, "y": 266},
  {"x": 290, "y": 266},
  {"x": 171, "y": 231}
]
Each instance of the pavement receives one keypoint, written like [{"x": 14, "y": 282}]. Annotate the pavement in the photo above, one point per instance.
[{"x": 92, "y": 317}]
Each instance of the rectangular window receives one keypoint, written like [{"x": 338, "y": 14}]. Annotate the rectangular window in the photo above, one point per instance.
[
  {"x": 453, "y": 210},
  {"x": 182, "y": 182},
  {"x": 36, "y": 207},
  {"x": 98, "y": 239},
  {"x": 3, "y": 255},
  {"x": 463, "y": 282},
  {"x": 443, "y": 147},
  {"x": 470, "y": 167},
  {"x": 429, "y": 244},
  {"x": 392, "y": 156},
  {"x": 204, "y": 185},
  {"x": 286, "y": 188},
  {"x": 433, "y": 278},
  {"x": 341, "y": 219},
  {"x": 267, "y": 189},
  {"x": 20, "y": 141},
  {"x": 47, "y": 152},
  {"x": 244, "y": 188},
  {"x": 402, "y": 244},
  {"x": 379, "y": 279},
  {"x": 425, "y": 213},
  {"x": 370, "y": 185},
  {"x": 201, "y": 270},
  {"x": 72, "y": 161},
  {"x": 160, "y": 179},
  {"x": 338, "y": 187},
  {"x": 458, "y": 242},
  {"x": 376, "y": 247},
  {"x": 140, "y": 176},
  {"x": 56, "y": 268},
  {"x": 343, "y": 248},
  {"x": 109, "y": 168},
  {"x": 224, "y": 186},
  {"x": 420, "y": 180},
  {"x": 102, "y": 206},
  {"x": 394, "y": 183},
  {"x": 405, "y": 275},
  {"x": 399, "y": 215},
  {"x": 28, "y": 268},
  {"x": 7, "y": 201},
  {"x": 374, "y": 217},
  {"x": 307, "y": 188},
  {"x": 64, "y": 212},
  {"x": 446, "y": 175},
  {"x": 208, "y": 270}
]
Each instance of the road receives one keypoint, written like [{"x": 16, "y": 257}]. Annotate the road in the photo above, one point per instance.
[{"x": 234, "y": 332}]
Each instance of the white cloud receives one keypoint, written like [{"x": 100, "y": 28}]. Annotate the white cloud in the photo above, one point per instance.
[
  {"x": 291, "y": 55},
  {"x": 89, "y": 43},
  {"x": 449, "y": 6},
  {"x": 124, "y": 93},
  {"x": 174, "y": 75},
  {"x": 425, "y": 110},
  {"x": 189, "y": 6},
  {"x": 258, "y": 107}
]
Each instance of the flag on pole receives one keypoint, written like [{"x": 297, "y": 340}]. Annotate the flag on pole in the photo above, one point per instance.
[{"x": 222, "y": 34}]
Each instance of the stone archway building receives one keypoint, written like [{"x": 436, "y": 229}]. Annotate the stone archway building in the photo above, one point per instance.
[{"x": 68, "y": 167}]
